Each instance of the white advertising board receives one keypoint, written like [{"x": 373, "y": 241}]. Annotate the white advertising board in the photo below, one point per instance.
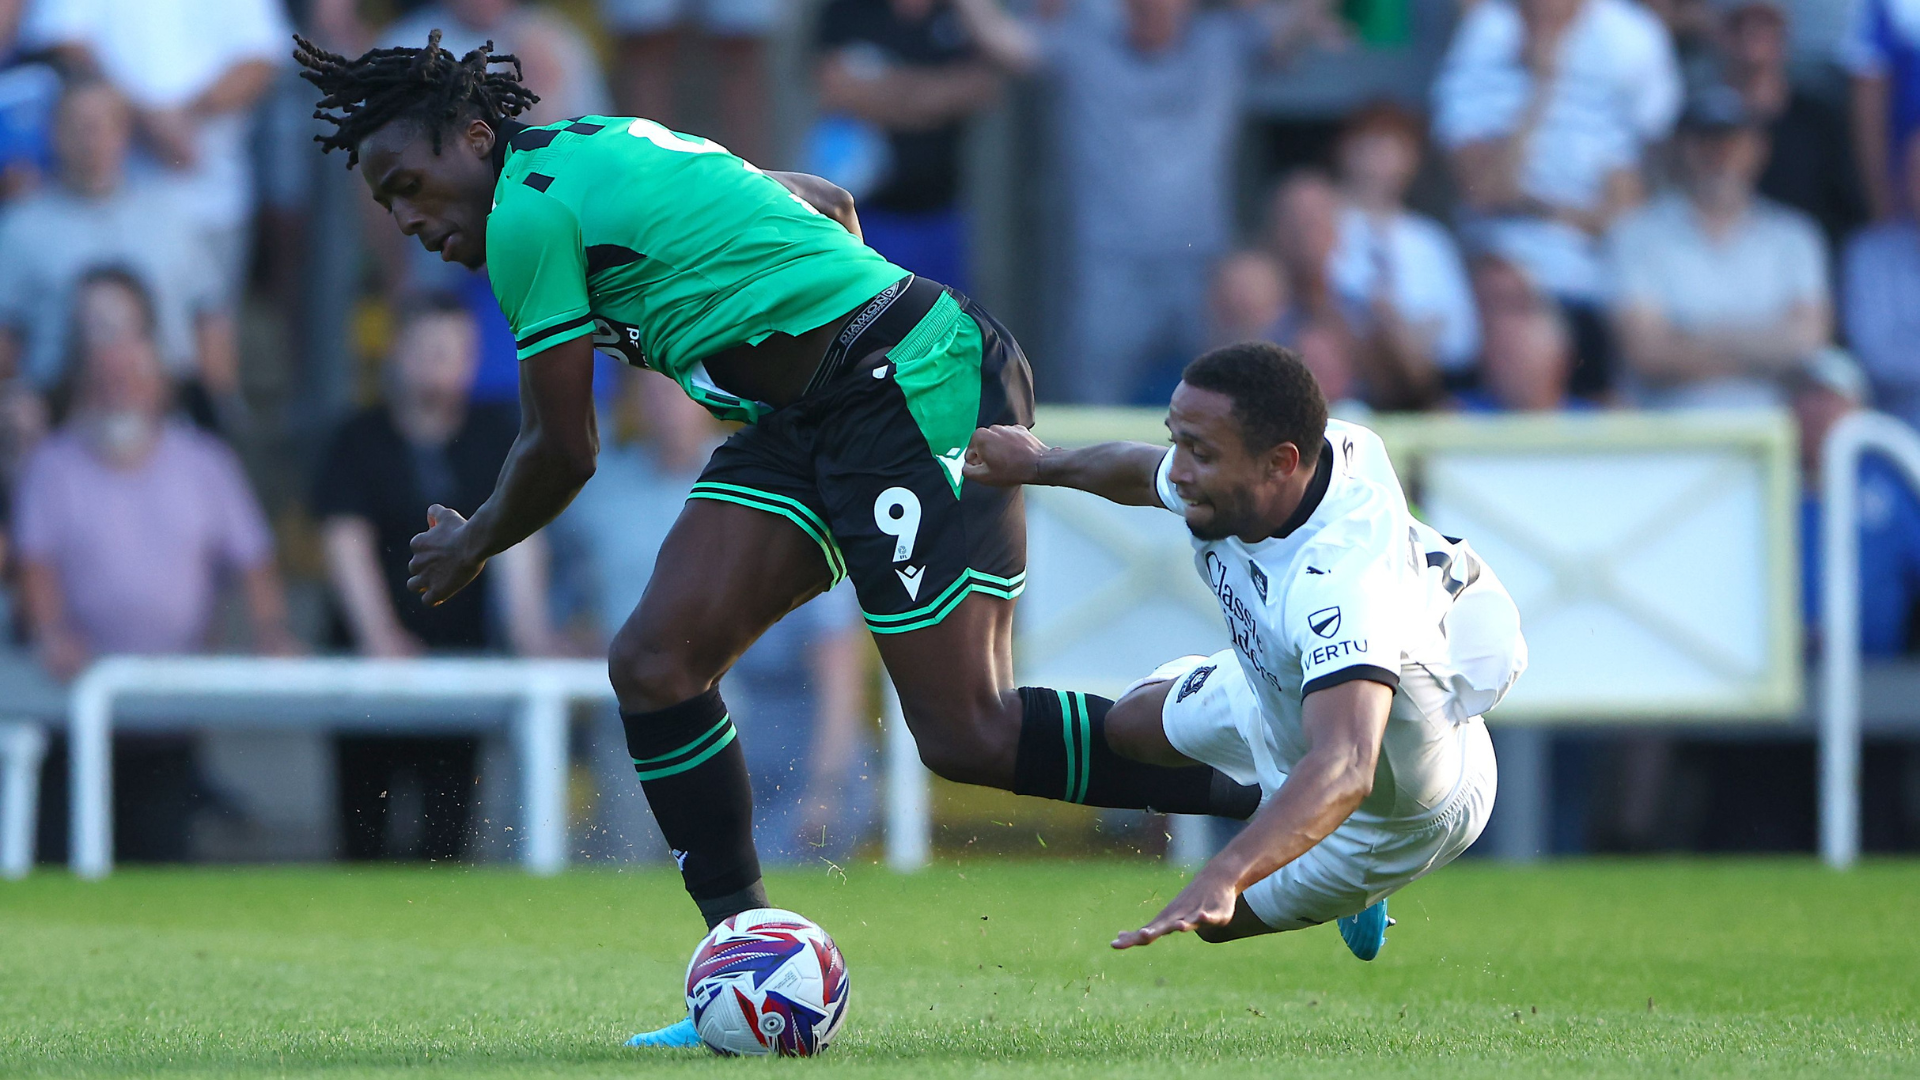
[{"x": 1654, "y": 560}]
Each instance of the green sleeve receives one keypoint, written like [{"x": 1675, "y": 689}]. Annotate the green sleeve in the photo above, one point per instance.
[{"x": 538, "y": 269}]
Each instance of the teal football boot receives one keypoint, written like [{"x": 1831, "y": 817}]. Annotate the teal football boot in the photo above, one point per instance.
[
  {"x": 678, "y": 1035},
  {"x": 1366, "y": 933}
]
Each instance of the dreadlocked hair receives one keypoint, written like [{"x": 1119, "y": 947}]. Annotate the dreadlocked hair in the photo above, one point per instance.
[{"x": 428, "y": 85}]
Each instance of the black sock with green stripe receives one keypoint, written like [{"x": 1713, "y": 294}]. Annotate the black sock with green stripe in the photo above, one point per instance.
[
  {"x": 695, "y": 777},
  {"x": 1064, "y": 755}
]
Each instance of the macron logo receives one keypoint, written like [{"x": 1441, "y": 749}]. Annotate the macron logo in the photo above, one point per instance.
[{"x": 911, "y": 577}]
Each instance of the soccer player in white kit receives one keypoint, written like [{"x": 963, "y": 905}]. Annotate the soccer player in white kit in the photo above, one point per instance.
[{"x": 1366, "y": 648}]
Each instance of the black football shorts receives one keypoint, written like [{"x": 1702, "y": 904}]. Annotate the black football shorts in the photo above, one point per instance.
[{"x": 867, "y": 462}]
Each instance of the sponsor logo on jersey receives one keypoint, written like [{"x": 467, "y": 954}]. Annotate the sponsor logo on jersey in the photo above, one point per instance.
[
  {"x": 620, "y": 340},
  {"x": 679, "y": 858},
  {"x": 910, "y": 578},
  {"x": 1328, "y": 653},
  {"x": 1325, "y": 622},
  {"x": 1191, "y": 685},
  {"x": 1240, "y": 621},
  {"x": 1315, "y": 570},
  {"x": 1259, "y": 579}
]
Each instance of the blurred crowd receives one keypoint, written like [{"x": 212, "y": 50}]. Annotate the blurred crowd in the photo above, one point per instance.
[{"x": 228, "y": 388}]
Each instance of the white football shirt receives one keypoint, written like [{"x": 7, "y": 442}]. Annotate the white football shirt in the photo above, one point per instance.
[{"x": 1352, "y": 587}]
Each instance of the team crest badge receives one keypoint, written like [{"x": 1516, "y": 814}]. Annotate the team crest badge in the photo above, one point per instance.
[
  {"x": 1325, "y": 622},
  {"x": 1191, "y": 685},
  {"x": 1259, "y": 580}
]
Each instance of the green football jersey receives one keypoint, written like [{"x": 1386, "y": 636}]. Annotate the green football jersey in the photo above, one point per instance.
[{"x": 664, "y": 247}]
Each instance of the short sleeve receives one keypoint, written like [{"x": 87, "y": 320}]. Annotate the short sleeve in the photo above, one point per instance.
[
  {"x": 36, "y": 508},
  {"x": 1163, "y": 485},
  {"x": 14, "y": 263},
  {"x": 1479, "y": 84},
  {"x": 48, "y": 23},
  {"x": 1633, "y": 275},
  {"x": 256, "y": 30},
  {"x": 1865, "y": 50},
  {"x": 1346, "y": 622},
  {"x": 1459, "y": 337},
  {"x": 241, "y": 534},
  {"x": 538, "y": 267},
  {"x": 1807, "y": 260},
  {"x": 1651, "y": 74},
  {"x": 339, "y": 488}
]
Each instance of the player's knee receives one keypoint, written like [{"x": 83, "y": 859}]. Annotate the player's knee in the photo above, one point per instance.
[
  {"x": 1135, "y": 728},
  {"x": 648, "y": 673},
  {"x": 967, "y": 746}
]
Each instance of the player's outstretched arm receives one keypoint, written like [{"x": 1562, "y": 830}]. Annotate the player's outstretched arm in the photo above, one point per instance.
[
  {"x": 551, "y": 459},
  {"x": 823, "y": 195},
  {"x": 1008, "y": 456},
  {"x": 1344, "y": 724}
]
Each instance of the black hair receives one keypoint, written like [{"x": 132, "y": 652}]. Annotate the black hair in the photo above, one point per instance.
[
  {"x": 428, "y": 86},
  {"x": 1275, "y": 398}
]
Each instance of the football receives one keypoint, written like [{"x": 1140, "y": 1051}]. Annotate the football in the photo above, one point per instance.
[{"x": 767, "y": 981}]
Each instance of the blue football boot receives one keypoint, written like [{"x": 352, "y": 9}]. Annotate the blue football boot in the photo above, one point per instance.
[
  {"x": 678, "y": 1035},
  {"x": 1366, "y": 933}
]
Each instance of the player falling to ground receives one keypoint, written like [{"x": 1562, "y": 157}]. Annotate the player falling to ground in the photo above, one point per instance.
[
  {"x": 1366, "y": 648},
  {"x": 860, "y": 386}
]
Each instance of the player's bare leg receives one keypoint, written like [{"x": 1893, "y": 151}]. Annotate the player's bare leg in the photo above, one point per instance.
[
  {"x": 974, "y": 726},
  {"x": 724, "y": 574}
]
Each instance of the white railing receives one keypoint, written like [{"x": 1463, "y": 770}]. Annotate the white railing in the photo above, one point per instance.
[
  {"x": 542, "y": 688},
  {"x": 1849, "y": 441}
]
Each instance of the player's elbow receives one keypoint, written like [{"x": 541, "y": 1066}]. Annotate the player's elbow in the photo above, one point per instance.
[
  {"x": 569, "y": 463},
  {"x": 1354, "y": 783}
]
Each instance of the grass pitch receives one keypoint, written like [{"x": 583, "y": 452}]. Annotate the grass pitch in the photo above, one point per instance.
[{"x": 980, "y": 969}]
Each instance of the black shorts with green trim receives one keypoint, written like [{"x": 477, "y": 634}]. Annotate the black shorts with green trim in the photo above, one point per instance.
[{"x": 867, "y": 463}]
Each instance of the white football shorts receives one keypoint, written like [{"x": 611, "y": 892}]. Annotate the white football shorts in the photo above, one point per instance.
[{"x": 1212, "y": 716}]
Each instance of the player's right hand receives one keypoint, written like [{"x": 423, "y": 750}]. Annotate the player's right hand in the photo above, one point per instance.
[{"x": 1004, "y": 455}]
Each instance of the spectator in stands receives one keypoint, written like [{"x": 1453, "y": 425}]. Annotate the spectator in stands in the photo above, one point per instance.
[
  {"x": 1147, "y": 100},
  {"x": 1829, "y": 388},
  {"x": 125, "y": 518},
  {"x": 1526, "y": 348},
  {"x": 907, "y": 69},
  {"x": 556, "y": 61},
  {"x": 425, "y": 446},
  {"x": 96, "y": 215},
  {"x": 194, "y": 70},
  {"x": 1810, "y": 167},
  {"x": 128, "y": 523},
  {"x": 1545, "y": 108},
  {"x": 1720, "y": 293},
  {"x": 1883, "y": 56},
  {"x": 1250, "y": 301},
  {"x": 1303, "y": 230},
  {"x": 1882, "y": 301},
  {"x": 795, "y": 695},
  {"x": 27, "y": 95},
  {"x": 1399, "y": 280},
  {"x": 654, "y": 36}
]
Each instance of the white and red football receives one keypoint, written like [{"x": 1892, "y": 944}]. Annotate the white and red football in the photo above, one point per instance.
[{"x": 767, "y": 981}]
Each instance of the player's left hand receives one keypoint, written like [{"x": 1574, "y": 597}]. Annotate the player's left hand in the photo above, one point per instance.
[
  {"x": 441, "y": 566},
  {"x": 1208, "y": 900}
]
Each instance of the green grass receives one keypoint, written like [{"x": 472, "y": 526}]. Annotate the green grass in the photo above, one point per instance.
[{"x": 1738, "y": 969}]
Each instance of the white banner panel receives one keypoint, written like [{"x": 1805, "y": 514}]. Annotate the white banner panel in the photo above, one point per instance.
[{"x": 1653, "y": 559}]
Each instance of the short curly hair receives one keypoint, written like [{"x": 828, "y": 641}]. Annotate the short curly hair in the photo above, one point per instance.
[{"x": 1275, "y": 398}]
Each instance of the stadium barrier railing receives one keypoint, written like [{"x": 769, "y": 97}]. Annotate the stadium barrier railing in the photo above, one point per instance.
[
  {"x": 22, "y": 747},
  {"x": 540, "y": 689},
  {"x": 1850, "y": 440}
]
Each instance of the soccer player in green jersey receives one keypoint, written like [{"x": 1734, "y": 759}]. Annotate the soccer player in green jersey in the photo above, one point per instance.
[{"x": 859, "y": 385}]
